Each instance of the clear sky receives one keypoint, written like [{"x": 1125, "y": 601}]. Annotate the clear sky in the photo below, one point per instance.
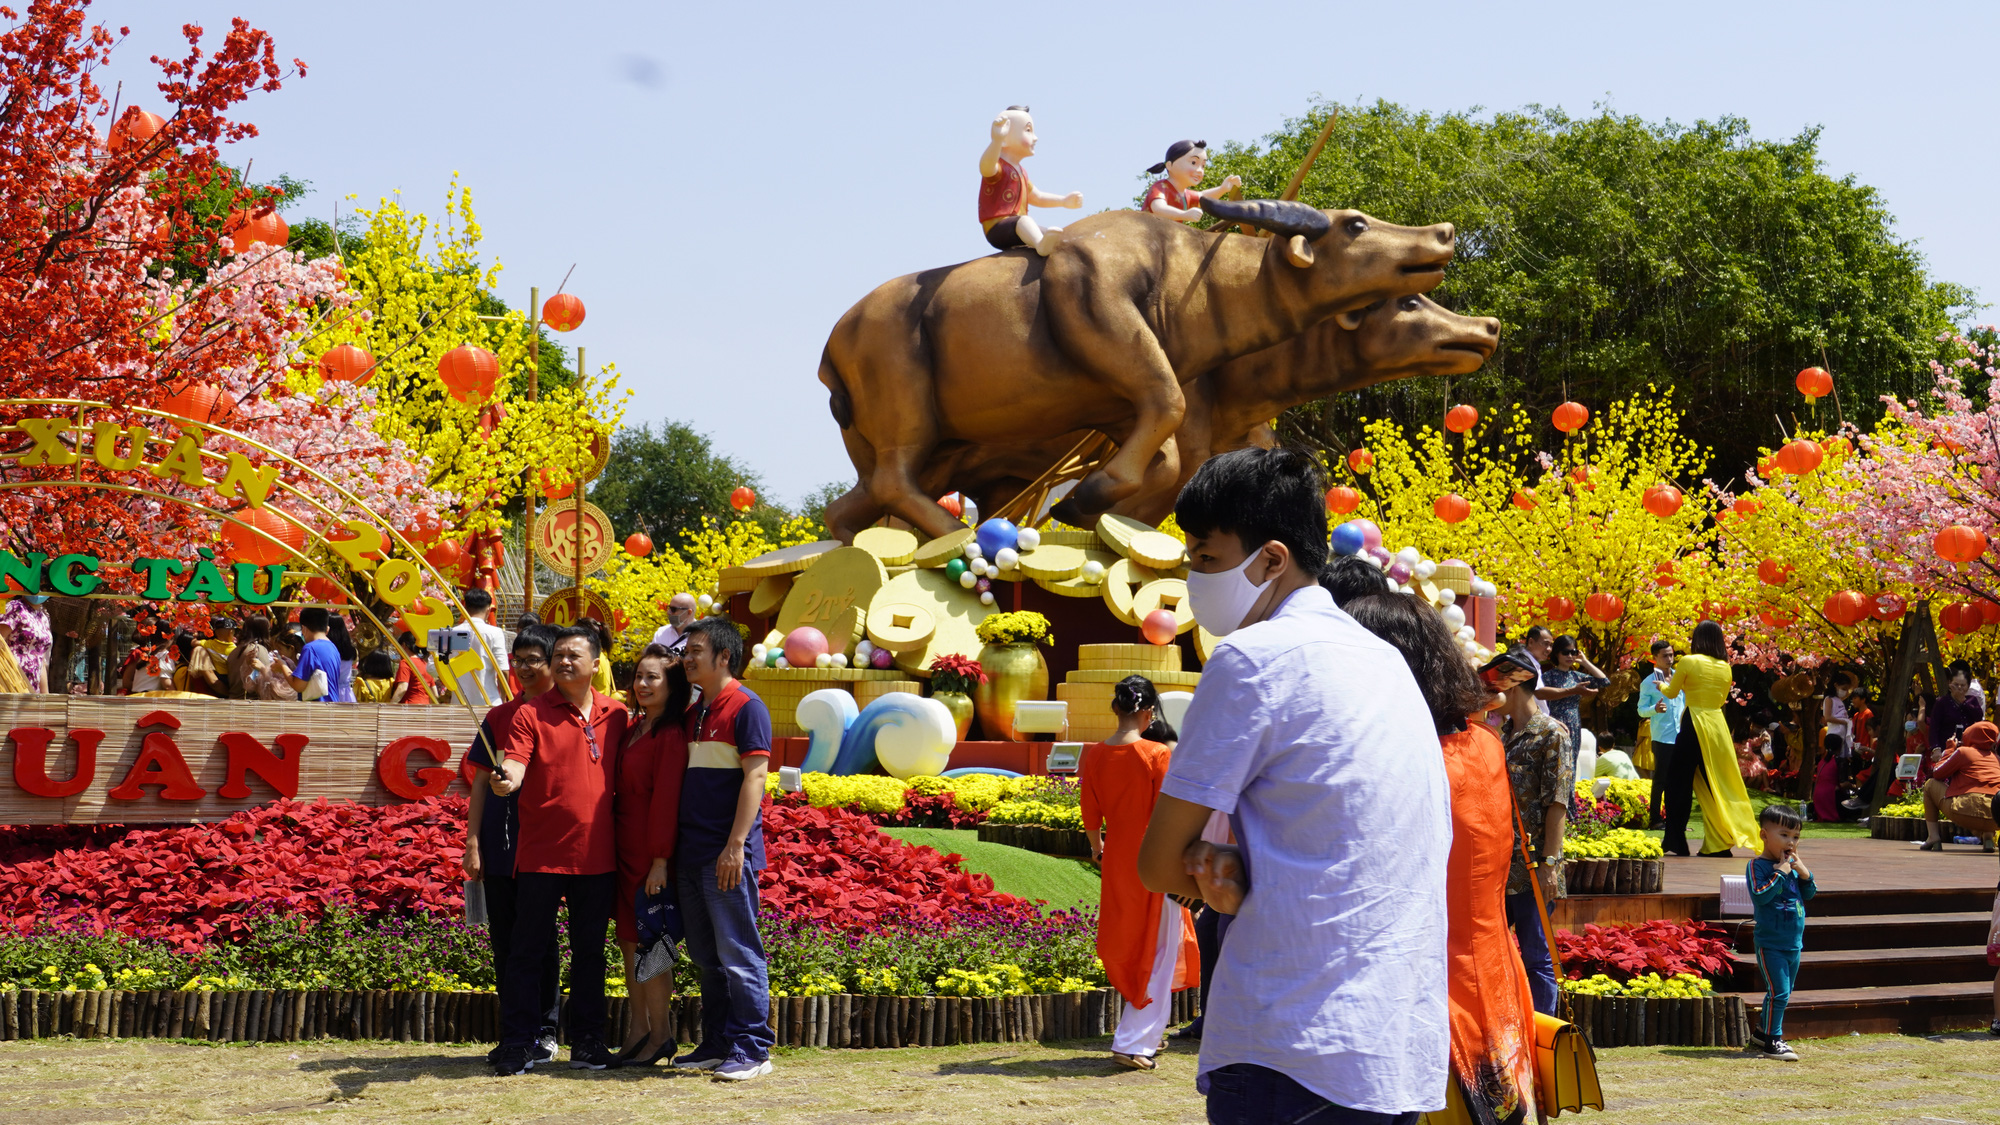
[{"x": 729, "y": 177}]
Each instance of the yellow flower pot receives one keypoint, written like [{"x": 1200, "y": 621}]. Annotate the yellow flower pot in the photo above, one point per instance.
[{"x": 1013, "y": 673}]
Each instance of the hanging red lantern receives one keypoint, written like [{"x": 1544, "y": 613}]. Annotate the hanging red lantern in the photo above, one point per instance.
[
  {"x": 1846, "y": 607},
  {"x": 1989, "y": 611},
  {"x": 448, "y": 554},
  {"x": 1959, "y": 544},
  {"x": 952, "y": 503},
  {"x": 1814, "y": 383},
  {"x": 1745, "y": 508},
  {"x": 1663, "y": 500},
  {"x": 562, "y": 312},
  {"x": 423, "y": 528},
  {"x": 1769, "y": 467},
  {"x": 135, "y": 128},
  {"x": 1836, "y": 447},
  {"x": 1585, "y": 477},
  {"x": 554, "y": 491},
  {"x": 1451, "y": 508},
  {"x": 743, "y": 499},
  {"x": 245, "y": 229},
  {"x": 469, "y": 372},
  {"x": 638, "y": 545},
  {"x": 1604, "y": 607},
  {"x": 1341, "y": 499},
  {"x": 1776, "y": 618},
  {"x": 490, "y": 417},
  {"x": 1559, "y": 609},
  {"x": 1961, "y": 618},
  {"x": 246, "y": 545},
  {"x": 200, "y": 402},
  {"x": 1772, "y": 572},
  {"x": 1525, "y": 499},
  {"x": 1799, "y": 456},
  {"x": 1571, "y": 417},
  {"x": 1663, "y": 575},
  {"x": 325, "y": 590},
  {"x": 347, "y": 364},
  {"x": 1461, "y": 418},
  {"x": 1886, "y": 607},
  {"x": 1361, "y": 462}
]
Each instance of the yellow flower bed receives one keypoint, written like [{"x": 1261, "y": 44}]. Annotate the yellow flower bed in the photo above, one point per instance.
[
  {"x": 1906, "y": 808},
  {"x": 1680, "y": 986},
  {"x": 1619, "y": 843},
  {"x": 876, "y": 794},
  {"x": 1628, "y": 793},
  {"x": 1037, "y": 812}
]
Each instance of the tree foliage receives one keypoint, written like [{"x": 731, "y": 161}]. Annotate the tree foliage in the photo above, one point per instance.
[
  {"x": 667, "y": 481},
  {"x": 1619, "y": 252}
]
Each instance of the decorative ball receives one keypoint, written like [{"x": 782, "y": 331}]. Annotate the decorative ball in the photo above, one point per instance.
[
  {"x": 1093, "y": 571},
  {"x": 1027, "y": 539},
  {"x": 1159, "y": 627},
  {"x": 863, "y": 649},
  {"x": 978, "y": 567},
  {"x": 1399, "y": 572},
  {"x": 803, "y": 644},
  {"x": 1371, "y": 535},
  {"x": 881, "y": 658},
  {"x": 1426, "y": 568},
  {"x": 837, "y": 659},
  {"x": 1447, "y": 595},
  {"x": 1006, "y": 558},
  {"x": 1467, "y": 631},
  {"x": 1453, "y": 616},
  {"x": 983, "y": 585},
  {"x": 780, "y": 662},
  {"x": 823, "y": 660},
  {"x": 703, "y": 603},
  {"x": 1380, "y": 554},
  {"x": 955, "y": 568},
  {"x": 995, "y": 534},
  {"x": 985, "y": 597},
  {"x": 972, "y": 548},
  {"x": 1481, "y": 588},
  {"x": 968, "y": 580},
  {"x": 1410, "y": 555},
  {"x": 1347, "y": 540},
  {"x": 758, "y": 652},
  {"x": 1406, "y": 589}
]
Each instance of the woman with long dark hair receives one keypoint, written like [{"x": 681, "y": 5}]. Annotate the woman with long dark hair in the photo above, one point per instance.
[
  {"x": 1703, "y": 763},
  {"x": 645, "y": 814},
  {"x": 342, "y": 689},
  {"x": 1492, "y": 1009}
]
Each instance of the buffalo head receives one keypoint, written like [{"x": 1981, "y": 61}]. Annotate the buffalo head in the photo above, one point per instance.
[{"x": 1420, "y": 253}]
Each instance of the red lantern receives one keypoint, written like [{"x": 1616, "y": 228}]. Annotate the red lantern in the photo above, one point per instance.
[
  {"x": 1571, "y": 417},
  {"x": 449, "y": 553},
  {"x": 1768, "y": 467},
  {"x": 347, "y": 364},
  {"x": 1813, "y": 383},
  {"x": 1745, "y": 508},
  {"x": 1962, "y": 618},
  {"x": 1461, "y": 418},
  {"x": 1886, "y": 607},
  {"x": 638, "y": 545},
  {"x": 1776, "y": 618},
  {"x": 246, "y": 545},
  {"x": 1959, "y": 543},
  {"x": 1451, "y": 508},
  {"x": 1663, "y": 500},
  {"x": 1799, "y": 457},
  {"x": 490, "y": 417},
  {"x": 1584, "y": 477},
  {"x": 422, "y": 528},
  {"x": 136, "y": 127},
  {"x": 1559, "y": 609},
  {"x": 201, "y": 402},
  {"x": 562, "y": 312},
  {"x": 1341, "y": 499},
  {"x": 1771, "y": 572},
  {"x": 1524, "y": 499},
  {"x": 469, "y": 372},
  {"x": 743, "y": 499},
  {"x": 1604, "y": 607},
  {"x": 1663, "y": 575},
  {"x": 244, "y": 229},
  {"x": 1847, "y": 607},
  {"x": 1361, "y": 461},
  {"x": 324, "y": 590},
  {"x": 552, "y": 490},
  {"x": 1836, "y": 447},
  {"x": 952, "y": 503},
  {"x": 1948, "y": 446}
]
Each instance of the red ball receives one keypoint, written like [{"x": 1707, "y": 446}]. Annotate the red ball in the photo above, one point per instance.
[{"x": 1159, "y": 627}]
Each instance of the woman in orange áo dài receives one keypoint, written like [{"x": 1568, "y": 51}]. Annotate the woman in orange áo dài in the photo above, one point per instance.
[
  {"x": 1492, "y": 1011},
  {"x": 1145, "y": 940}
]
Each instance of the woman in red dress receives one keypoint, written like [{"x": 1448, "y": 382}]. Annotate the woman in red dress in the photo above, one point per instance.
[{"x": 649, "y": 768}]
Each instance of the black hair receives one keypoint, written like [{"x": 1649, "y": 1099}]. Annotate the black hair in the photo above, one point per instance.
[
  {"x": 313, "y": 617},
  {"x": 336, "y": 631},
  {"x": 1956, "y": 668},
  {"x": 256, "y": 628},
  {"x": 528, "y": 617},
  {"x": 1784, "y": 816},
  {"x": 1022, "y": 108},
  {"x": 476, "y": 599},
  {"x": 184, "y": 643},
  {"x": 723, "y": 640},
  {"x": 1535, "y": 631},
  {"x": 1708, "y": 640},
  {"x": 1160, "y": 731},
  {"x": 1260, "y": 495},
  {"x": 539, "y": 638},
  {"x": 411, "y": 645},
  {"x": 1348, "y": 577},
  {"x": 1566, "y": 645},
  {"x": 1662, "y": 643},
  {"x": 1451, "y": 687},
  {"x": 1174, "y": 152},
  {"x": 679, "y": 691},
  {"x": 572, "y": 632},
  {"x": 1134, "y": 694},
  {"x": 377, "y": 665},
  {"x": 220, "y": 622}
]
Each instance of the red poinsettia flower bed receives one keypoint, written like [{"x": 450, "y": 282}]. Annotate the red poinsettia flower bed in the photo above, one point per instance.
[
  {"x": 1625, "y": 951},
  {"x": 831, "y": 866}
]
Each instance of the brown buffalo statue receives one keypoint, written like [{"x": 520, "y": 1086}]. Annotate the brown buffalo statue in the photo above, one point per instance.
[
  {"x": 1232, "y": 406},
  {"x": 1129, "y": 307}
]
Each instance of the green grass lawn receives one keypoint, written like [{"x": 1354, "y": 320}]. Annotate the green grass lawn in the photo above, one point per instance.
[{"x": 1060, "y": 881}]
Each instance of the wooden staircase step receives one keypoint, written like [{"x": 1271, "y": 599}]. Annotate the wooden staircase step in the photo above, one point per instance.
[
  {"x": 1880, "y": 931},
  {"x": 1835, "y": 969},
  {"x": 1916, "y": 1009}
]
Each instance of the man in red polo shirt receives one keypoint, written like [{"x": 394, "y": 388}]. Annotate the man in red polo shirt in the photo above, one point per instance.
[{"x": 561, "y": 751}]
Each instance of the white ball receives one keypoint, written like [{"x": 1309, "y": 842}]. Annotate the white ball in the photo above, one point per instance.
[
  {"x": 1027, "y": 539},
  {"x": 703, "y": 602},
  {"x": 1453, "y": 616},
  {"x": 1093, "y": 571},
  {"x": 1447, "y": 595},
  {"x": 1410, "y": 555},
  {"x": 1426, "y": 568},
  {"x": 1405, "y": 588},
  {"x": 864, "y": 648},
  {"x": 968, "y": 580},
  {"x": 838, "y": 659},
  {"x": 782, "y": 663},
  {"x": 1006, "y": 558},
  {"x": 986, "y": 598},
  {"x": 1481, "y": 588},
  {"x": 758, "y": 652},
  {"x": 823, "y": 660}
]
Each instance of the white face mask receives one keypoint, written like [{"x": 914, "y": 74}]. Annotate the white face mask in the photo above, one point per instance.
[{"x": 1222, "y": 600}]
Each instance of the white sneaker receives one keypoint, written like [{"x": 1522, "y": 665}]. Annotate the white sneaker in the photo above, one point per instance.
[{"x": 742, "y": 1070}]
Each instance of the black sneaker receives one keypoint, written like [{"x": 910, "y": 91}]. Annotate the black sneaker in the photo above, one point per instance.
[
  {"x": 542, "y": 1050},
  {"x": 1993, "y": 1028},
  {"x": 510, "y": 1061},
  {"x": 695, "y": 1060},
  {"x": 1776, "y": 1049},
  {"x": 590, "y": 1055}
]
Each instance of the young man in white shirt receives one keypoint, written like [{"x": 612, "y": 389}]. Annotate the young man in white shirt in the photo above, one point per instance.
[
  {"x": 480, "y": 686},
  {"x": 1329, "y": 999}
]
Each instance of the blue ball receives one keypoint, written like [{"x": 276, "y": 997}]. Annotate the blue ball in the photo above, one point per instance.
[
  {"x": 995, "y": 534},
  {"x": 1348, "y": 539}
]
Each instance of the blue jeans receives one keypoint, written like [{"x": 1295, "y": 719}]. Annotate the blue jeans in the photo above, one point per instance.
[
  {"x": 722, "y": 942},
  {"x": 1781, "y": 968},
  {"x": 1245, "y": 1094},
  {"x": 1527, "y": 923}
]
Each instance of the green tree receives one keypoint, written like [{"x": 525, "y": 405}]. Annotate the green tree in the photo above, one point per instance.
[
  {"x": 664, "y": 481},
  {"x": 1618, "y": 252},
  {"x": 812, "y": 507}
]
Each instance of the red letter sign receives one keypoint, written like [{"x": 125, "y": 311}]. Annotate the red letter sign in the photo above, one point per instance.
[
  {"x": 31, "y": 761},
  {"x": 160, "y": 763},
  {"x": 394, "y": 769},
  {"x": 248, "y": 754}
]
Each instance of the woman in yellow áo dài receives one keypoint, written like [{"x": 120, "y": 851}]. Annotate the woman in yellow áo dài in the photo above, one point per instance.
[{"x": 1703, "y": 763}]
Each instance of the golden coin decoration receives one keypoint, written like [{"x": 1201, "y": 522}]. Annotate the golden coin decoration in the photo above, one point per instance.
[
  {"x": 1080, "y": 586},
  {"x": 769, "y": 593},
  {"x": 1069, "y": 537},
  {"x": 571, "y": 604},
  {"x": 1158, "y": 550},
  {"x": 833, "y": 595},
  {"x": 556, "y": 536},
  {"x": 1169, "y": 594},
  {"x": 1119, "y": 581},
  {"x": 788, "y": 560},
  {"x": 1052, "y": 562},
  {"x": 1204, "y": 643},
  {"x": 944, "y": 548},
  {"x": 899, "y": 626},
  {"x": 893, "y": 545},
  {"x": 956, "y": 611},
  {"x": 600, "y": 456},
  {"x": 1117, "y": 532}
]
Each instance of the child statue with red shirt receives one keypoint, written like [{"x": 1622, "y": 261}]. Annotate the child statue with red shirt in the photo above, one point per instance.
[
  {"x": 1173, "y": 196},
  {"x": 1005, "y": 193}
]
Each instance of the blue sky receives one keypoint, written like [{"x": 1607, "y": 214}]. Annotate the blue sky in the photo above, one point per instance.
[{"x": 729, "y": 178}]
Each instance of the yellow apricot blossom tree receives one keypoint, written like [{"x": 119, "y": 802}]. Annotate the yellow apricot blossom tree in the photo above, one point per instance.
[{"x": 638, "y": 589}]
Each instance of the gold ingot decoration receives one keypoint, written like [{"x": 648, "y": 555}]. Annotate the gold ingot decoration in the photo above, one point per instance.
[
  {"x": 1052, "y": 562},
  {"x": 1132, "y": 657},
  {"x": 769, "y": 594},
  {"x": 899, "y": 626},
  {"x": 1113, "y": 675},
  {"x": 833, "y": 595},
  {"x": 1456, "y": 578},
  {"x": 1158, "y": 550},
  {"x": 956, "y": 611},
  {"x": 567, "y": 606},
  {"x": 1169, "y": 594},
  {"x": 1079, "y": 586},
  {"x": 787, "y": 560},
  {"x": 1120, "y": 580},
  {"x": 1427, "y": 590},
  {"x": 893, "y": 545},
  {"x": 943, "y": 549},
  {"x": 1117, "y": 532},
  {"x": 556, "y": 536}
]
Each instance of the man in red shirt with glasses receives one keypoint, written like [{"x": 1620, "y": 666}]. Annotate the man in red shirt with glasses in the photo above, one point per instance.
[{"x": 561, "y": 751}]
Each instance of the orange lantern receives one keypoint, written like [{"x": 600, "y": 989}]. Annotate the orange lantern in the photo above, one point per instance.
[
  {"x": 1989, "y": 611},
  {"x": 1341, "y": 499},
  {"x": 1948, "y": 446},
  {"x": 552, "y": 490},
  {"x": 1886, "y": 607},
  {"x": 1451, "y": 508},
  {"x": 1768, "y": 467},
  {"x": 1604, "y": 607},
  {"x": 743, "y": 499},
  {"x": 201, "y": 402},
  {"x": 1836, "y": 447},
  {"x": 1361, "y": 461},
  {"x": 1961, "y": 617},
  {"x": 638, "y": 545},
  {"x": 1663, "y": 500},
  {"x": 422, "y": 528},
  {"x": 1814, "y": 383},
  {"x": 324, "y": 590},
  {"x": 244, "y": 229},
  {"x": 1959, "y": 543},
  {"x": 1745, "y": 507},
  {"x": 1846, "y": 607},
  {"x": 1776, "y": 618},
  {"x": 469, "y": 372},
  {"x": 1524, "y": 499},
  {"x": 1559, "y": 609},
  {"x": 1570, "y": 417},
  {"x": 245, "y": 545},
  {"x": 1771, "y": 572},
  {"x": 562, "y": 312},
  {"x": 1663, "y": 575},
  {"x": 1461, "y": 418},
  {"x": 1799, "y": 457},
  {"x": 136, "y": 127},
  {"x": 347, "y": 364},
  {"x": 448, "y": 553}
]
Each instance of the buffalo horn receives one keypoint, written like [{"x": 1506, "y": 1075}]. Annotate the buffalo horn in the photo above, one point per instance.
[{"x": 1280, "y": 217}]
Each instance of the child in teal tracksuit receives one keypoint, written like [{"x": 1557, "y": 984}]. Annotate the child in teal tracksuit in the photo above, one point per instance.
[{"x": 1780, "y": 884}]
